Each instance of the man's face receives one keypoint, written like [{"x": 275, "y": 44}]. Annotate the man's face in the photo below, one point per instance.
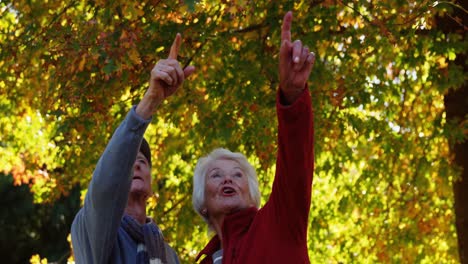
[{"x": 141, "y": 182}]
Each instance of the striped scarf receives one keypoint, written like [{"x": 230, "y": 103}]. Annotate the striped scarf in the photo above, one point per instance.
[{"x": 151, "y": 247}]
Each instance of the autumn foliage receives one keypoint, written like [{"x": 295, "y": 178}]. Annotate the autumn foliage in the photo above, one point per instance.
[{"x": 382, "y": 191}]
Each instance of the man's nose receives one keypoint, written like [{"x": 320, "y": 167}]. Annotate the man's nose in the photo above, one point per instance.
[{"x": 136, "y": 166}]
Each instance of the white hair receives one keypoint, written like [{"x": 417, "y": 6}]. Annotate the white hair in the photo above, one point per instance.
[{"x": 199, "y": 178}]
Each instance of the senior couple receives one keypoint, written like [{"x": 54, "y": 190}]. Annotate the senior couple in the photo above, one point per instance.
[{"x": 112, "y": 226}]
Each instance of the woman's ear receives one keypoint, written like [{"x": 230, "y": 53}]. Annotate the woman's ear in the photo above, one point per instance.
[{"x": 204, "y": 212}]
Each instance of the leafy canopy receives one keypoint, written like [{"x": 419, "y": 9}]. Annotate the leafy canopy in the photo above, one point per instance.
[{"x": 70, "y": 70}]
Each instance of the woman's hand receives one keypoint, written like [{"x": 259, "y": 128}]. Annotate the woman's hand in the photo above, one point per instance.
[{"x": 295, "y": 63}]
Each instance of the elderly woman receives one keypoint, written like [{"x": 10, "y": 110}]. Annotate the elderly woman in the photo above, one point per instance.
[{"x": 225, "y": 191}]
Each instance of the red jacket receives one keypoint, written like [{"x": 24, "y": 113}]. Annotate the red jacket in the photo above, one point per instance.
[{"x": 277, "y": 233}]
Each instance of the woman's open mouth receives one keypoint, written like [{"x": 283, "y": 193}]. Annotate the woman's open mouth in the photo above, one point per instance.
[{"x": 228, "y": 191}]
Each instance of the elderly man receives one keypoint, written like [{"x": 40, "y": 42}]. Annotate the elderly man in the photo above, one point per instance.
[{"x": 112, "y": 226}]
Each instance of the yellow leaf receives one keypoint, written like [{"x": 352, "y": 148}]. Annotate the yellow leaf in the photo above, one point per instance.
[
  {"x": 82, "y": 64},
  {"x": 36, "y": 259},
  {"x": 442, "y": 63},
  {"x": 134, "y": 56}
]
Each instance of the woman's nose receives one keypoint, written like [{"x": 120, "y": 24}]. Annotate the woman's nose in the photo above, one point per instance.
[{"x": 227, "y": 179}]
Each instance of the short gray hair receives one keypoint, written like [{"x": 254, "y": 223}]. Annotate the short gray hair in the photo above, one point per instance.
[{"x": 199, "y": 177}]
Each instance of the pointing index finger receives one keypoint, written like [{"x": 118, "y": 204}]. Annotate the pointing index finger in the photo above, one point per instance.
[
  {"x": 286, "y": 28},
  {"x": 175, "y": 47}
]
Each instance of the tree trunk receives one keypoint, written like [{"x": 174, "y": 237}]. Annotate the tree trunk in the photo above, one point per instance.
[{"x": 456, "y": 107}]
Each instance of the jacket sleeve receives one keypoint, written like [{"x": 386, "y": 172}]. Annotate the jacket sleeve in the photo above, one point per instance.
[
  {"x": 289, "y": 203},
  {"x": 94, "y": 229}
]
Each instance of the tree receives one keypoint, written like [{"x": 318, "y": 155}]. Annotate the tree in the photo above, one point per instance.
[
  {"x": 456, "y": 102},
  {"x": 383, "y": 187},
  {"x": 27, "y": 228}
]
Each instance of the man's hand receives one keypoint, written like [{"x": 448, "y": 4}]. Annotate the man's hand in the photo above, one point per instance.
[
  {"x": 166, "y": 77},
  {"x": 295, "y": 63}
]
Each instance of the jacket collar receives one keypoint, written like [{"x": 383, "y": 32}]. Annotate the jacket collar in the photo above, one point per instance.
[{"x": 234, "y": 224}]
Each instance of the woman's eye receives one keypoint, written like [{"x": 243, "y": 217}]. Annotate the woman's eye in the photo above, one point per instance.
[
  {"x": 239, "y": 175},
  {"x": 216, "y": 175}
]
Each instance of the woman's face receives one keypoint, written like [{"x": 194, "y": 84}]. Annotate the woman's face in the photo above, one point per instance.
[{"x": 226, "y": 189}]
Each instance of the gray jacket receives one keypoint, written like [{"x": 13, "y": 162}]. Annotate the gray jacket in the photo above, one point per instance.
[{"x": 97, "y": 235}]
